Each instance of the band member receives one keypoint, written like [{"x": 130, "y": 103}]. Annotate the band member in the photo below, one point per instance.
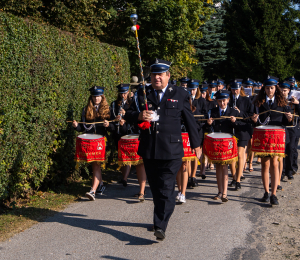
[
  {"x": 118, "y": 108},
  {"x": 243, "y": 132},
  {"x": 96, "y": 110},
  {"x": 161, "y": 145},
  {"x": 224, "y": 126},
  {"x": 184, "y": 82},
  {"x": 271, "y": 97},
  {"x": 292, "y": 132},
  {"x": 220, "y": 84}
]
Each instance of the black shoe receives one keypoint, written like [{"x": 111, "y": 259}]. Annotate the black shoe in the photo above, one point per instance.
[
  {"x": 279, "y": 187},
  {"x": 123, "y": 182},
  {"x": 203, "y": 176},
  {"x": 266, "y": 197},
  {"x": 294, "y": 172},
  {"x": 290, "y": 177},
  {"x": 194, "y": 182},
  {"x": 238, "y": 186},
  {"x": 243, "y": 177},
  {"x": 160, "y": 234},
  {"x": 282, "y": 178},
  {"x": 273, "y": 200},
  {"x": 100, "y": 189},
  {"x": 232, "y": 183},
  {"x": 189, "y": 184}
]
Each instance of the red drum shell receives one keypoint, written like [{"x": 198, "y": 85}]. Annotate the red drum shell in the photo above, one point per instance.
[
  {"x": 127, "y": 150},
  {"x": 188, "y": 155},
  {"x": 90, "y": 148},
  {"x": 268, "y": 141},
  {"x": 220, "y": 149}
]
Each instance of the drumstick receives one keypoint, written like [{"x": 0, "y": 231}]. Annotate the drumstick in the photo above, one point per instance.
[
  {"x": 280, "y": 112},
  {"x": 258, "y": 114},
  {"x": 219, "y": 118},
  {"x": 230, "y": 117},
  {"x": 92, "y": 123},
  {"x": 198, "y": 115}
]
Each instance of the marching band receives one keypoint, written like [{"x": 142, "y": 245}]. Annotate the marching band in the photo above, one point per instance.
[{"x": 180, "y": 128}]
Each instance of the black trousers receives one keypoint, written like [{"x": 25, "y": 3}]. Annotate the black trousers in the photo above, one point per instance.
[
  {"x": 161, "y": 176},
  {"x": 295, "y": 155},
  {"x": 289, "y": 151}
]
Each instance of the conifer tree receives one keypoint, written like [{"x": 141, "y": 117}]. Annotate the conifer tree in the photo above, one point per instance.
[{"x": 262, "y": 38}]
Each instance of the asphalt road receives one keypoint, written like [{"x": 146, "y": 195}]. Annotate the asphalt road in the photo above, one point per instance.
[{"x": 116, "y": 226}]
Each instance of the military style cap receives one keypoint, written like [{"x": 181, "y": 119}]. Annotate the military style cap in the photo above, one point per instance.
[
  {"x": 123, "y": 88},
  {"x": 236, "y": 84},
  {"x": 174, "y": 82},
  {"x": 222, "y": 94},
  {"x": 255, "y": 84},
  {"x": 159, "y": 66},
  {"x": 213, "y": 84},
  {"x": 203, "y": 88},
  {"x": 285, "y": 85},
  {"x": 193, "y": 84},
  {"x": 97, "y": 91},
  {"x": 271, "y": 81},
  {"x": 291, "y": 79},
  {"x": 220, "y": 81},
  {"x": 184, "y": 80},
  {"x": 259, "y": 83},
  {"x": 249, "y": 82}
]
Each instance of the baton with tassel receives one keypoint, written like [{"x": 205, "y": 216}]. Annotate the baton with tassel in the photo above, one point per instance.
[{"x": 135, "y": 27}]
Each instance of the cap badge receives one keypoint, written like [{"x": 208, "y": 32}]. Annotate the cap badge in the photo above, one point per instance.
[{"x": 170, "y": 89}]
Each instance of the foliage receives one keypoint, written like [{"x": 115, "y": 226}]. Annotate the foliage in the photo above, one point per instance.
[
  {"x": 44, "y": 77},
  {"x": 263, "y": 38},
  {"x": 211, "y": 49},
  {"x": 166, "y": 27},
  {"x": 81, "y": 17},
  {"x": 196, "y": 73}
]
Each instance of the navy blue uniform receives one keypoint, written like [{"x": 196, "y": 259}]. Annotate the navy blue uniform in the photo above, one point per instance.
[{"x": 162, "y": 149}]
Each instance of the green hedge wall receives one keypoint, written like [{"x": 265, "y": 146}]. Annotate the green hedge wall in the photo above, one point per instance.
[{"x": 44, "y": 77}]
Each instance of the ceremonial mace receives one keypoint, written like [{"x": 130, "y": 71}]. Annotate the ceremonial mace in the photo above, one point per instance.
[{"x": 134, "y": 18}]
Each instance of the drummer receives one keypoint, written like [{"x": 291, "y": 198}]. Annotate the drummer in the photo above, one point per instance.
[
  {"x": 243, "y": 132},
  {"x": 198, "y": 109},
  {"x": 96, "y": 110},
  {"x": 224, "y": 126},
  {"x": 220, "y": 84},
  {"x": 271, "y": 97},
  {"x": 184, "y": 82}
]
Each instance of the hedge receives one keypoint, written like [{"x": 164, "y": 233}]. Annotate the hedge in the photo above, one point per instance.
[{"x": 44, "y": 77}]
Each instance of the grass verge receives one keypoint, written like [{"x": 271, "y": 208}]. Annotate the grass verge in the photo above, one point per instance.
[{"x": 16, "y": 216}]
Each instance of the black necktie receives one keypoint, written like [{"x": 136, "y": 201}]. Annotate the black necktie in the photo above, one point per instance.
[
  {"x": 270, "y": 103},
  {"x": 158, "y": 95},
  {"x": 222, "y": 113}
]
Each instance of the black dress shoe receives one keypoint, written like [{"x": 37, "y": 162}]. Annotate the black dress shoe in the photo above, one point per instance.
[
  {"x": 294, "y": 172},
  {"x": 194, "y": 182},
  {"x": 123, "y": 182},
  {"x": 243, "y": 177},
  {"x": 160, "y": 234},
  {"x": 203, "y": 176},
  {"x": 232, "y": 183},
  {"x": 238, "y": 186},
  {"x": 273, "y": 200},
  {"x": 266, "y": 197},
  {"x": 290, "y": 177},
  {"x": 189, "y": 184},
  {"x": 279, "y": 187}
]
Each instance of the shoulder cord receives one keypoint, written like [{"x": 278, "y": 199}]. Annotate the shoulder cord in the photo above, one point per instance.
[
  {"x": 266, "y": 121},
  {"x": 136, "y": 102},
  {"x": 113, "y": 108},
  {"x": 84, "y": 125}
]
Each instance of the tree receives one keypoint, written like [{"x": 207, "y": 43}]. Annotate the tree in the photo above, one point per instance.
[
  {"x": 263, "y": 38},
  {"x": 166, "y": 28},
  {"x": 211, "y": 49}
]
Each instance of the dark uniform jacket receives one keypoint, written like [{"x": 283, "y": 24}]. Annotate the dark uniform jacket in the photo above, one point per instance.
[
  {"x": 224, "y": 125},
  {"x": 165, "y": 142},
  {"x": 114, "y": 109},
  {"x": 201, "y": 109},
  {"x": 244, "y": 129},
  {"x": 98, "y": 129}
]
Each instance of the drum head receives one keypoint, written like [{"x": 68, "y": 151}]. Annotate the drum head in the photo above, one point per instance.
[
  {"x": 269, "y": 127},
  {"x": 219, "y": 135},
  {"x": 132, "y": 136},
  {"x": 89, "y": 136}
]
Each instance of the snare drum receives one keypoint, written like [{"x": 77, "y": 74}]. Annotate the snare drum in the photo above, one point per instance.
[
  {"x": 220, "y": 148},
  {"x": 128, "y": 147},
  {"x": 90, "y": 148},
  {"x": 269, "y": 140},
  {"x": 188, "y": 155}
]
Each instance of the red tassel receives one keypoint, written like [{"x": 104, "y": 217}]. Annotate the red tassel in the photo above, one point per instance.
[
  {"x": 144, "y": 125},
  {"x": 137, "y": 27}
]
